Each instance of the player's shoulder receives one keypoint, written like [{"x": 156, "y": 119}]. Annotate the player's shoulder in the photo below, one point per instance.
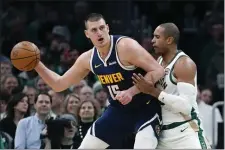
[
  {"x": 86, "y": 55},
  {"x": 185, "y": 60},
  {"x": 126, "y": 43},
  {"x": 185, "y": 66}
]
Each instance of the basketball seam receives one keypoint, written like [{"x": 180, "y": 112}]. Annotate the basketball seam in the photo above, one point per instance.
[
  {"x": 25, "y": 49},
  {"x": 25, "y": 57},
  {"x": 28, "y": 64}
]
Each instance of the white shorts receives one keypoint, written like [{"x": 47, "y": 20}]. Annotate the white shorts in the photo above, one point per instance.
[{"x": 182, "y": 137}]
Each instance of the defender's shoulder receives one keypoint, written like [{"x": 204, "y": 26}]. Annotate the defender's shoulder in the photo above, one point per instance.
[{"x": 185, "y": 61}]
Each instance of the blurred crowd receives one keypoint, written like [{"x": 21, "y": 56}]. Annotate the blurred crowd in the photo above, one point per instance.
[{"x": 28, "y": 105}]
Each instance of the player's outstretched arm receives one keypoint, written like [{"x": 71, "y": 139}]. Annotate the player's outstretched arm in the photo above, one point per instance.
[
  {"x": 74, "y": 75},
  {"x": 136, "y": 55}
]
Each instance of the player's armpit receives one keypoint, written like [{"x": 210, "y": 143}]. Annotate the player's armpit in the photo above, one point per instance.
[{"x": 134, "y": 54}]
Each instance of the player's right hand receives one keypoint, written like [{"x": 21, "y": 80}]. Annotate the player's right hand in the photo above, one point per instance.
[{"x": 124, "y": 97}]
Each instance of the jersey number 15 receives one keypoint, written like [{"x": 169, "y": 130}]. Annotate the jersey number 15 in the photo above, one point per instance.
[{"x": 113, "y": 90}]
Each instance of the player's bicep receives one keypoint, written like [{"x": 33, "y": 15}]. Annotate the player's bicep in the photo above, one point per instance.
[
  {"x": 77, "y": 72},
  {"x": 185, "y": 70},
  {"x": 138, "y": 56}
]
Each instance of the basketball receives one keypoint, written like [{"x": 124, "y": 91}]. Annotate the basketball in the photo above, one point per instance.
[{"x": 25, "y": 56}]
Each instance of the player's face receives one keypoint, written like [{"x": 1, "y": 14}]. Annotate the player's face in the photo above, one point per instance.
[
  {"x": 98, "y": 32},
  {"x": 159, "y": 42}
]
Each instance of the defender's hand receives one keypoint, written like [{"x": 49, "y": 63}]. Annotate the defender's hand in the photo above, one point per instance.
[
  {"x": 145, "y": 86},
  {"x": 142, "y": 84}
]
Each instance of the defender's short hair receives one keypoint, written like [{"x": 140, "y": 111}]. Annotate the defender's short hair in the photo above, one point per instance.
[
  {"x": 93, "y": 17},
  {"x": 171, "y": 30}
]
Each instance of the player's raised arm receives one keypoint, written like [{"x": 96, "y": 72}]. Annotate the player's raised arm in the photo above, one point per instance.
[
  {"x": 73, "y": 76},
  {"x": 136, "y": 55}
]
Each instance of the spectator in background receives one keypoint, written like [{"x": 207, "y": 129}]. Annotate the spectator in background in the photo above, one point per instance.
[
  {"x": 9, "y": 82},
  {"x": 71, "y": 104},
  {"x": 78, "y": 39},
  {"x": 100, "y": 95},
  {"x": 31, "y": 92},
  {"x": 86, "y": 93},
  {"x": 66, "y": 127},
  {"x": 57, "y": 103},
  {"x": 215, "y": 75},
  {"x": 15, "y": 26},
  {"x": 27, "y": 77},
  {"x": 29, "y": 129},
  {"x": 41, "y": 86},
  {"x": 88, "y": 111},
  {"x": 215, "y": 45},
  {"x": 4, "y": 98},
  {"x": 34, "y": 26},
  {"x": 190, "y": 19},
  {"x": 215, "y": 71},
  {"x": 205, "y": 112},
  {"x": 76, "y": 88},
  {"x": 17, "y": 109},
  {"x": 6, "y": 66},
  {"x": 6, "y": 141},
  {"x": 206, "y": 95}
]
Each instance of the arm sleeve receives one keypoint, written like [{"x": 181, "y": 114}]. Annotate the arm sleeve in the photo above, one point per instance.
[{"x": 183, "y": 101}]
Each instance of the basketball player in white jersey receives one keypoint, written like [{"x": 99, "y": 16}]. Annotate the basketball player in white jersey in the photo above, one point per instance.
[{"x": 177, "y": 91}]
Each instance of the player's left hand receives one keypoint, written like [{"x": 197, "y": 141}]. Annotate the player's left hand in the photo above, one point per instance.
[{"x": 124, "y": 97}]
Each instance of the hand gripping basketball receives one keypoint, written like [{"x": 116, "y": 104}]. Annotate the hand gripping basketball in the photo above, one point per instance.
[{"x": 25, "y": 56}]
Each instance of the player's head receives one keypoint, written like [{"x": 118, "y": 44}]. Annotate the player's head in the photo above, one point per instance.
[
  {"x": 165, "y": 35},
  {"x": 97, "y": 30}
]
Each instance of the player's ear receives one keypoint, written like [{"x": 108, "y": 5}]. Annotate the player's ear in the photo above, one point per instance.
[
  {"x": 170, "y": 40},
  {"x": 86, "y": 33}
]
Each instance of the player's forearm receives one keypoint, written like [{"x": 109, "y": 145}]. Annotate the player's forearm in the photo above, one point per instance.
[
  {"x": 50, "y": 77},
  {"x": 155, "y": 75},
  {"x": 177, "y": 103},
  {"x": 182, "y": 102},
  {"x": 134, "y": 90}
]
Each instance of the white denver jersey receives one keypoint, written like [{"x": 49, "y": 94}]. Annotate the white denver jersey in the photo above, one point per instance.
[{"x": 168, "y": 83}]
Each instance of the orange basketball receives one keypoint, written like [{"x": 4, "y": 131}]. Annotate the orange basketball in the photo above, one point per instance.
[{"x": 25, "y": 56}]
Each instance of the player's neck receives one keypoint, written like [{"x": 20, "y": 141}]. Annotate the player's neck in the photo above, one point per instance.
[
  {"x": 103, "y": 51},
  {"x": 167, "y": 57}
]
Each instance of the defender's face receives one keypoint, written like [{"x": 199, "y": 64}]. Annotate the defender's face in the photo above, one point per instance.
[
  {"x": 98, "y": 32},
  {"x": 159, "y": 42}
]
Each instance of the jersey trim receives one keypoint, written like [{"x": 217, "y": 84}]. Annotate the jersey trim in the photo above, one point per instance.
[
  {"x": 92, "y": 55},
  {"x": 159, "y": 60},
  {"x": 109, "y": 54},
  {"x": 131, "y": 67},
  {"x": 200, "y": 132}
]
